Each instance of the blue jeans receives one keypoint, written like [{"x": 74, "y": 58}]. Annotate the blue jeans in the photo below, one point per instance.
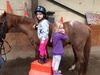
[{"x": 1, "y": 60}]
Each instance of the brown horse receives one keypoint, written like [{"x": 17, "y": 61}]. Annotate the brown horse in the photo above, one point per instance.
[{"x": 79, "y": 37}]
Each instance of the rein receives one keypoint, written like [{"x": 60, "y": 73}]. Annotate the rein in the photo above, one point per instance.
[
  {"x": 4, "y": 48},
  {"x": 4, "y": 31}
]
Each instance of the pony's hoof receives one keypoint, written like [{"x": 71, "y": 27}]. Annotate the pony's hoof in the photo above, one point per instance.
[{"x": 72, "y": 68}]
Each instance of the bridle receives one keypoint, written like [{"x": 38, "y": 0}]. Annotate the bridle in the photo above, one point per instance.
[
  {"x": 4, "y": 31},
  {"x": 5, "y": 27}
]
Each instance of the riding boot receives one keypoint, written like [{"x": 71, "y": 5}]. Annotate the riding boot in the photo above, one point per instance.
[
  {"x": 45, "y": 58},
  {"x": 41, "y": 59}
]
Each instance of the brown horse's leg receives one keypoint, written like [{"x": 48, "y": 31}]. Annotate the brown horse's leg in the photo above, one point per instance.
[
  {"x": 75, "y": 60},
  {"x": 80, "y": 55},
  {"x": 36, "y": 52},
  {"x": 47, "y": 52},
  {"x": 87, "y": 49},
  {"x": 83, "y": 56}
]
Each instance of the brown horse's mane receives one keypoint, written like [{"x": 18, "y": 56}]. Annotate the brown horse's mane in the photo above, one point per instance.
[{"x": 21, "y": 19}]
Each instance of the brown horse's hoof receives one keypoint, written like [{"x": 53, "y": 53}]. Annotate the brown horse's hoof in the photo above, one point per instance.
[{"x": 72, "y": 67}]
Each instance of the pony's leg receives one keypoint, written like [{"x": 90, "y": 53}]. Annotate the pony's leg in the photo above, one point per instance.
[
  {"x": 47, "y": 52},
  {"x": 36, "y": 52},
  {"x": 80, "y": 55},
  {"x": 83, "y": 55},
  {"x": 75, "y": 60}
]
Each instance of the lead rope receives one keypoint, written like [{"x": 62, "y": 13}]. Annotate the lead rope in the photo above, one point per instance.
[{"x": 3, "y": 48}]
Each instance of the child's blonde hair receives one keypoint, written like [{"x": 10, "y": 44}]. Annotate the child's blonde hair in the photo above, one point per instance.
[{"x": 57, "y": 25}]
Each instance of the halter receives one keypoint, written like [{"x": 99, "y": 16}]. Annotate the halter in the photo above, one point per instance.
[{"x": 5, "y": 25}]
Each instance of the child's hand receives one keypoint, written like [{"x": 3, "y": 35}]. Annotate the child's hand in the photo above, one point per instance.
[
  {"x": 42, "y": 41},
  {"x": 35, "y": 26},
  {"x": 63, "y": 31}
]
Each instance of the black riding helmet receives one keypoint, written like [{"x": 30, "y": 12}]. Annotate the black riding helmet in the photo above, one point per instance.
[{"x": 40, "y": 9}]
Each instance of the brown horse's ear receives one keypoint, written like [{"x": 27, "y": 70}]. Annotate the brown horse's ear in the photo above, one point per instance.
[{"x": 4, "y": 14}]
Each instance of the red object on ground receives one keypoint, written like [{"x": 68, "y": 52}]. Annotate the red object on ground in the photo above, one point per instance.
[{"x": 41, "y": 69}]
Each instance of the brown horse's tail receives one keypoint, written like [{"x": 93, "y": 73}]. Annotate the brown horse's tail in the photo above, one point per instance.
[{"x": 87, "y": 50}]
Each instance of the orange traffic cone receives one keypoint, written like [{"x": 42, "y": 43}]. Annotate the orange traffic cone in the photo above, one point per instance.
[
  {"x": 61, "y": 19},
  {"x": 8, "y": 7},
  {"x": 26, "y": 10}
]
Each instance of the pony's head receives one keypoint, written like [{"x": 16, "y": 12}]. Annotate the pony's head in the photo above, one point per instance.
[
  {"x": 3, "y": 22},
  {"x": 1, "y": 18},
  {"x": 3, "y": 15}
]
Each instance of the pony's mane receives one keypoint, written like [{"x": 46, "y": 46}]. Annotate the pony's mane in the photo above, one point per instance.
[{"x": 18, "y": 18}]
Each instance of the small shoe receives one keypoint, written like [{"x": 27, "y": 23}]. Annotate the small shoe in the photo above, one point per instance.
[
  {"x": 41, "y": 59},
  {"x": 57, "y": 74},
  {"x": 45, "y": 59},
  {"x": 59, "y": 71}
]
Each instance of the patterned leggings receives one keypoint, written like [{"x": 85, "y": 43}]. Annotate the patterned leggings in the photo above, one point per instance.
[{"x": 56, "y": 62}]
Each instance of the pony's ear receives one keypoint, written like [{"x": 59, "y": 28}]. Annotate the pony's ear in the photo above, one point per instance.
[{"x": 4, "y": 14}]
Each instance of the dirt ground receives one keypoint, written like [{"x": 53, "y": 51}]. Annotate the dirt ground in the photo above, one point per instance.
[{"x": 21, "y": 66}]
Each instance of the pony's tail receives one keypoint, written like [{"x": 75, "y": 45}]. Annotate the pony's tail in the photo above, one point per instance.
[{"x": 87, "y": 50}]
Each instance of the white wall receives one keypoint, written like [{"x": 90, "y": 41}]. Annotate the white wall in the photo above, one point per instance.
[{"x": 81, "y": 6}]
